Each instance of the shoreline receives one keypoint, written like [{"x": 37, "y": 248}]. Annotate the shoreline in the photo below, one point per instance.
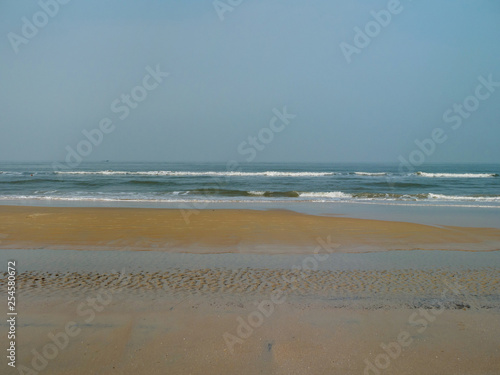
[
  {"x": 479, "y": 216},
  {"x": 169, "y": 295},
  {"x": 225, "y": 231}
]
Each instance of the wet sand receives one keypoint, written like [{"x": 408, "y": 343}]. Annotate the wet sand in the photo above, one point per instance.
[
  {"x": 194, "y": 306},
  {"x": 223, "y": 231},
  {"x": 355, "y": 288},
  {"x": 222, "y": 320},
  {"x": 136, "y": 325}
]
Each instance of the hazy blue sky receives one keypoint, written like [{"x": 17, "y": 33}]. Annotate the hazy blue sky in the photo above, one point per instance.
[{"x": 227, "y": 76}]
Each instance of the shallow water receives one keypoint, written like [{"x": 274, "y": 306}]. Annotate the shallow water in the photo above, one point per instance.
[{"x": 153, "y": 261}]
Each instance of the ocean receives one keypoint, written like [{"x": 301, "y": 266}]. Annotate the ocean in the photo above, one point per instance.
[{"x": 464, "y": 185}]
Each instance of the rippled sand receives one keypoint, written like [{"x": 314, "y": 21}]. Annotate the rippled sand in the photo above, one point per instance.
[
  {"x": 326, "y": 321},
  {"x": 356, "y": 288}
]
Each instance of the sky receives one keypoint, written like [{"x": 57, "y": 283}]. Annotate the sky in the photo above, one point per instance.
[{"x": 361, "y": 81}]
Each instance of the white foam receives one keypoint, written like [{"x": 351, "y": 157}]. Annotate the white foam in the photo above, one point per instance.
[
  {"x": 258, "y": 193},
  {"x": 457, "y": 175},
  {"x": 330, "y": 194},
  {"x": 371, "y": 173},
  {"x": 463, "y": 198},
  {"x": 337, "y": 196},
  {"x": 207, "y": 173}
]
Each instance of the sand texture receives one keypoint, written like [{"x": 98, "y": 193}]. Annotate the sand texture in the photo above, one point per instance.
[{"x": 221, "y": 231}]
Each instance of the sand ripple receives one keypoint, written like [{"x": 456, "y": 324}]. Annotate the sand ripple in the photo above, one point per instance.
[{"x": 404, "y": 284}]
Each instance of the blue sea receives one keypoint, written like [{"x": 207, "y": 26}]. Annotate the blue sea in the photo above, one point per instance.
[{"x": 467, "y": 185}]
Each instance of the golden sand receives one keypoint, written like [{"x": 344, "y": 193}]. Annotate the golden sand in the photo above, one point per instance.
[
  {"x": 132, "y": 336},
  {"x": 174, "y": 320},
  {"x": 219, "y": 231}
]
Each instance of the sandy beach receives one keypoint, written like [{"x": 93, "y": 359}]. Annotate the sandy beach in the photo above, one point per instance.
[
  {"x": 222, "y": 231},
  {"x": 235, "y": 187},
  {"x": 135, "y": 335},
  {"x": 218, "y": 321},
  {"x": 243, "y": 291}
]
